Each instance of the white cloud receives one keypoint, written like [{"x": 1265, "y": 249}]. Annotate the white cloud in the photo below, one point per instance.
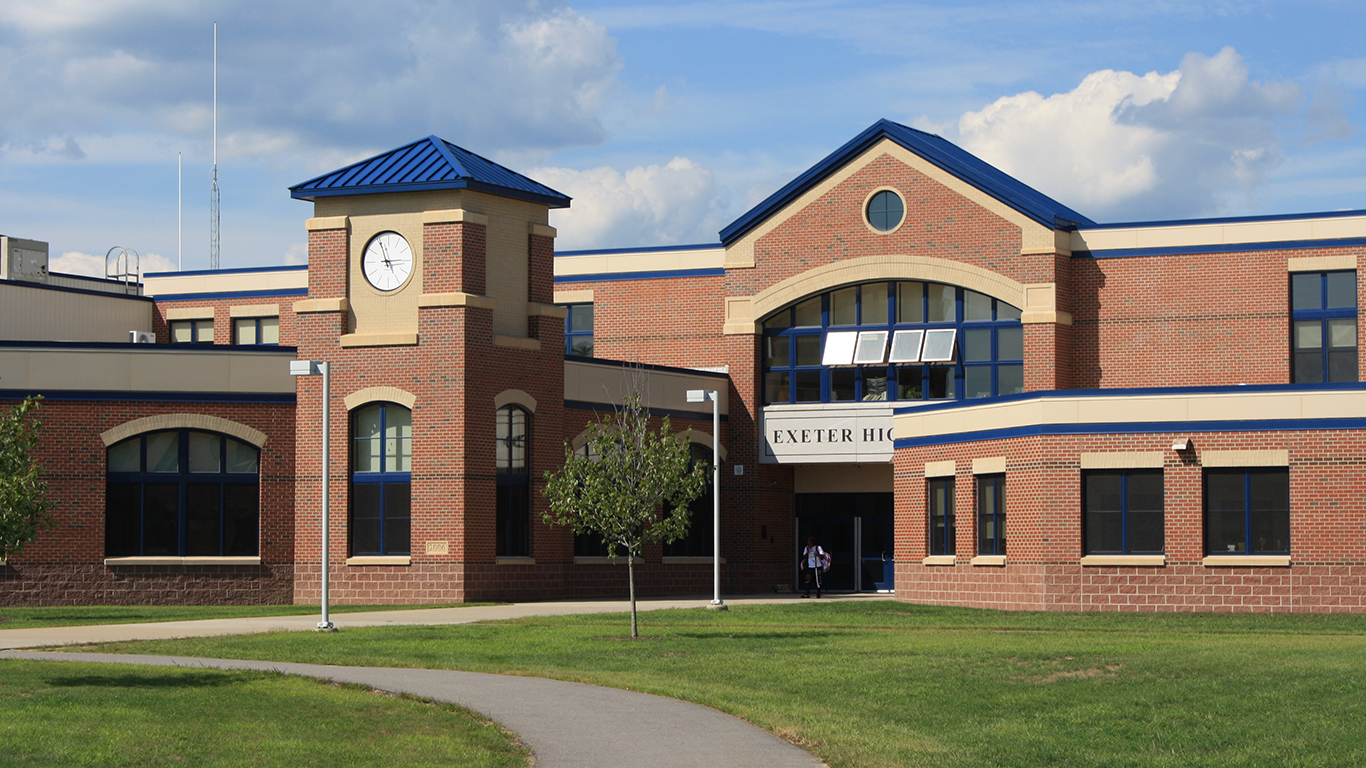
[
  {"x": 673, "y": 204},
  {"x": 1186, "y": 143},
  {"x": 77, "y": 263}
]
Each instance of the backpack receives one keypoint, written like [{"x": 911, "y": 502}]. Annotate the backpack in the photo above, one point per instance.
[{"x": 825, "y": 561}]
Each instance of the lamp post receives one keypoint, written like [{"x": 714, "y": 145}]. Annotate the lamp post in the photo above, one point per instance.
[
  {"x": 699, "y": 396},
  {"x": 313, "y": 368}
]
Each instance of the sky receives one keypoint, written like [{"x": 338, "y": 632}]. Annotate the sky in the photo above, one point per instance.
[{"x": 664, "y": 121}]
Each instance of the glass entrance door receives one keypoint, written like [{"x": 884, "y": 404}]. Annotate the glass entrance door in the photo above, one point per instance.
[{"x": 856, "y": 529}]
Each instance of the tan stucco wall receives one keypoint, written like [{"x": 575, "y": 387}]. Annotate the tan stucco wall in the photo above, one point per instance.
[{"x": 39, "y": 314}]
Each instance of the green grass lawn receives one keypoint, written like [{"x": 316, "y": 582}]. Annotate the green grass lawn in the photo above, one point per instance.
[
  {"x": 65, "y": 714},
  {"x": 13, "y": 617},
  {"x": 865, "y": 683}
]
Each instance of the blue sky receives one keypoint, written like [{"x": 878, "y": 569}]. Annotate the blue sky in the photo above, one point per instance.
[{"x": 665, "y": 121}]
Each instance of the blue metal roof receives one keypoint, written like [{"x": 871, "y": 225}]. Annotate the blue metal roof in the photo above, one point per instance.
[
  {"x": 935, "y": 149},
  {"x": 430, "y": 163}
]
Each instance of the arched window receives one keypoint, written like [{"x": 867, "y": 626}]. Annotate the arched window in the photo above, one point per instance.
[
  {"x": 700, "y": 537},
  {"x": 182, "y": 493},
  {"x": 513, "y": 538},
  {"x": 903, "y": 341},
  {"x": 381, "y": 479}
]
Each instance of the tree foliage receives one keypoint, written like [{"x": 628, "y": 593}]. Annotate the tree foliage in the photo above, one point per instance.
[
  {"x": 24, "y": 507},
  {"x": 631, "y": 486}
]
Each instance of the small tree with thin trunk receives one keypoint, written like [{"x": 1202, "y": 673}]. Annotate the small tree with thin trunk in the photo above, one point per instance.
[
  {"x": 23, "y": 492},
  {"x": 631, "y": 486}
]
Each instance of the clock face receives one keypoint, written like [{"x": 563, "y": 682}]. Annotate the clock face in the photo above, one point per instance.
[{"x": 387, "y": 261}]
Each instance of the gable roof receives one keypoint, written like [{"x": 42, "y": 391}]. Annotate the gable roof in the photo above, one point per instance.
[
  {"x": 430, "y": 163},
  {"x": 935, "y": 149}
]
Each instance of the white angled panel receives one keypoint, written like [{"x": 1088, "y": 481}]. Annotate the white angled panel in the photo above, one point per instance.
[
  {"x": 839, "y": 348},
  {"x": 939, "y": 344},
  {"x": 906, "y": 346},
  {"x": 872, "y": 348}
]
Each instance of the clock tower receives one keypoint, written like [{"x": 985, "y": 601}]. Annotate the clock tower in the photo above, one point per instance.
[{"x": 430, "y": 293}]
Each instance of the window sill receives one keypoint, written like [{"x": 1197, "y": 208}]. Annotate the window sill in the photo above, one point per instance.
[
  {"x": 1246, "y": 561},
  {"x": 689, "y": 560},
  {"x": 514, "y": 561},
  {"x": 940, "y": 560},
  {"x": 1125, "y": 561},
  {"x": 182, "y": 561},
  {"x": 380, "y": 560},
  {"x": 603, "y": 560},
  {"x": 997, "y": 560}
]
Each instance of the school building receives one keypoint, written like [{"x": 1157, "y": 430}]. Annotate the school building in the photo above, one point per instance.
[{"x": 969, "y": 392}]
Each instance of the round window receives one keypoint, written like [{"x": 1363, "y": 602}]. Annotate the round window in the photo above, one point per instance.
[{"x": 885, "y": 211}]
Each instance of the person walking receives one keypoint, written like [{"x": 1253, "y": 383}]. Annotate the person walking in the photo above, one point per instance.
[{"x": 813, "y": 560}]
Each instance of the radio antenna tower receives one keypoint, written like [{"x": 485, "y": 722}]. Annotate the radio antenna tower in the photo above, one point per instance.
[{"x": 213, "y": 192}]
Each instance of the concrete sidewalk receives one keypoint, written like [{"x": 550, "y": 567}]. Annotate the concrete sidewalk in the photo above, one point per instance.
[{"x": 566, "y": 725}]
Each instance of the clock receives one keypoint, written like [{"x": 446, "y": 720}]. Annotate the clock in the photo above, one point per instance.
[{"x": 387, "y": 261}]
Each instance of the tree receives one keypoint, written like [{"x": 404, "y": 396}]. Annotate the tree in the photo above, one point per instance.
[
  {"x": 24, "y": 507},
  {"x": 630, "y": 486}
]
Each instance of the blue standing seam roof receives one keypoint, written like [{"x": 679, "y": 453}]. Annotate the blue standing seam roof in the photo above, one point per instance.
[
  {"x": 426, "y": 164},
  {"x": 935, "y": 149}
]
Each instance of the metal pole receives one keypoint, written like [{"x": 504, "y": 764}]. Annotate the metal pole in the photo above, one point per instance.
[
  {"x": 716, "y": 500},
  {"x": 326, "y": 622}
]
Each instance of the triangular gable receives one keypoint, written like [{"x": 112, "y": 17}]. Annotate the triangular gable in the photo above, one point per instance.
[
  {"x": 427, "y": 164},
  {"x": 934, "y": 149}
]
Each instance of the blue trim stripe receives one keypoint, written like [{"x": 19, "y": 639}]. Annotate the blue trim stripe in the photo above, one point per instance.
[
  {"x": 180, "y": 397},
  {"x": 69, "y": 289},
  {"x": 1186, "y": 250},
  {"x": 584, "y": 405},
  {"x": 237, "y": 271},
  {"x": 1230, "y": 220},
  {"x": 647, "y": 249},
  {"x": 1133, "y": 428},
  {"x": 661, "y": 275},
  {"x": 214, "y": 295}
]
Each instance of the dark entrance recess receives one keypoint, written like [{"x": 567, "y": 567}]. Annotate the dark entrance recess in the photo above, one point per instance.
[{"x": 856, "y": 529}]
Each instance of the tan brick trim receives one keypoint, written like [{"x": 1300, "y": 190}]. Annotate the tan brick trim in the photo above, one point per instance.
[
  {"x": 380, "y": 560},
  {"x": 546, "y": 310},
  {"x": 884, "y": 267},
  {"x": 541, "y": 230},
  {"x": 514, "y": 397},
  {"x": 308, "y": 306},
  {"x": 455, "y": 299},
  {"x": 701, "y": 438},
  {"x": 254, "y": 310},
  {"x": 574, "y": 297},
  {"x": 117, "y": 561},
  {"x": 183, "y": 421},
  {"x": 378, "y": 340},
  {"x": 516, "y": 342},
  {"x": 1321, "y": 263},
  {"x": 454, "y": 216},
  {"x": 321, "y": 223},
  {"x": 1246, "y": 561},
  {"x": 1262, "y": 458},
  {"x": 945, "y": 468},
  {"x": 989, "y": 560},
  {"x": 380, "y": 395},
  {"x": 940, "y": 560},
  {"x": 1122, "y": 460},
  {"x": 189, "y": 313},
  {"x": 990, "y": 465}
]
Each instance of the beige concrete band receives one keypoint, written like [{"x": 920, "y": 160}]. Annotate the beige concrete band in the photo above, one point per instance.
[
  {"x": 183, "y": 421},
  {"x": 380, "y": 395}
]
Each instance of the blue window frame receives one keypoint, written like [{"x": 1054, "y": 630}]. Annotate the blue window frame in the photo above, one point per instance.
[
  {"x": 1323, "y": 327},
  {"x": 578, "y": 330},
  {"x": 991, "y": 514},
  {"x": 381, "y": 480},
  {"x": 513, "y": 536},
  {"x": 191, "y": 331},
  {"x": 983, "y": 338},
  {"x": 256, "y": 330},
  {"x": 182, "y": 493},
  {"x": 1247, "y": 511},
  {"x": 939, "y": 501},
  {"x": 1123, "y": 512}
]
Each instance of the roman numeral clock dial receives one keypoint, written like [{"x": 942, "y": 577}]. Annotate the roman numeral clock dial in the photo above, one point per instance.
[{"x": 387, "y": 261}]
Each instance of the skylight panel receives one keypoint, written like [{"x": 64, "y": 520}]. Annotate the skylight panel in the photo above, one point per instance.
[
  {"x": 939, "y": 345},
  {"x": 872, "y": 348},
  {"x": 906, "y": 346},
  {"x": 839, "y": 348}
]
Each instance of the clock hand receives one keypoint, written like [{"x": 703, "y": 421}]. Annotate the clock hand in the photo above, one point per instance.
[{"x": 385, "y": 250}]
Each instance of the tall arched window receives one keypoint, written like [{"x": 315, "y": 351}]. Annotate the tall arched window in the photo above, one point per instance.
[
  {"x": 699, "y": 539},
  {"x": 513, "y": 537},
  {"x": 904, "y": 341},
  {"x": 381, "y": 479},
  {"x": 182, "y": 493}
]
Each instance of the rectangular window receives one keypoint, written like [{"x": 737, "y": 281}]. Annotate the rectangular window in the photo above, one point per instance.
[
  {"x": 1323, "y": 327},
  {"x": 1247, "y": 511},
  {"x": 191, "y": 331},
  {"x": 991, "y": 514},
  {"x": 940, "y": 504},
  {"x": 256, "y": 330},
  {"x": 578, "y": 330},
  {"x": 1123, "y": 512}
]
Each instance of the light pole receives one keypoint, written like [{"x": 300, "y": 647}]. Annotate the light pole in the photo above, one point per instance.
[
  {"x": 699, "y": 396},
  {"x": 313, "y": 368}
]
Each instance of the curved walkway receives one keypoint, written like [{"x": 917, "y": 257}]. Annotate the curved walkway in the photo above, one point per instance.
[{"x": 566, "y": 725}]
